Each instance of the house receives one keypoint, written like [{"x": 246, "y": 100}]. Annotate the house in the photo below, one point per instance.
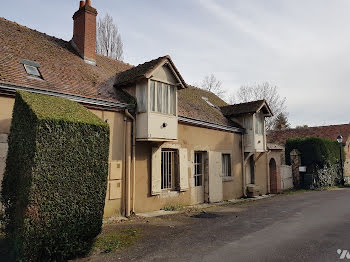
[
  {"x": 179, "y": 145},
  {"x": 330, "y": 132}
]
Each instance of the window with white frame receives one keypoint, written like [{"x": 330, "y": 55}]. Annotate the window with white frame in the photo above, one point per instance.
[
  {"x": 162, "y": 98},
  {"x": 168, "y": 169},
  {"x": 141, "y": 96},
  {"x": 198, "y": 168},
  {"x": 259, "y": 124},
  {"x": 226, "y": 165}
]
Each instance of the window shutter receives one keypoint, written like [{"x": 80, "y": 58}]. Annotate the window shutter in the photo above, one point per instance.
[
  {"x": 183, "y": 169},
  {"x": 156, "y": 171}
]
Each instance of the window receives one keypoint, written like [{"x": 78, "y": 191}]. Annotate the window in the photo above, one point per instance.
[
  {"x": 163, "y": 98},
  {"x": 141, "y": 94},
  {"x": 259, "y": 124},
  {"x": 247, "y": 122},
  {"x": 168, "y": 169},
  {"x": 153, "y": 96},
  {"x": 208, "y": 102},
  {"x": 198, "y": 168},
  {"x": 172, "y": 100},
  {"x": 32, "y": 68},
  {"x": 226, "y": 165}
]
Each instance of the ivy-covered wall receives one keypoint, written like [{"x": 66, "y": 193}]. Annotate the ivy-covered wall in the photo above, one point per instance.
[
  {"x": 55, "y": 180},
  {"x": 321, "y": 157}
]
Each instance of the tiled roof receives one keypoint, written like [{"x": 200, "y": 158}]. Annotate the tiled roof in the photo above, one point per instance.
[
  {"x": 243, "y": 108},
  {"x": 142, "y": 70},
  {"x": 63, "y": 70},
  {"x": 330, "y": 132},
  {"x": 192, "y": 105},
  {"x": 139, "y": 71}
]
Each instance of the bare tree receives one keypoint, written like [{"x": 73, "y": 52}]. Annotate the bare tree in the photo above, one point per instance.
[
  {"x": 108, "y": 41},
  {"x": 210, "y": 83},
  {"x": 230, "y": 98},
  {"x": 267, "y": 92}
]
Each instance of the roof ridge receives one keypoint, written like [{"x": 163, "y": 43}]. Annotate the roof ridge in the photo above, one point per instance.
[
  {"x": 309, "y": 127},
  {"x": 245, "y": 103}
]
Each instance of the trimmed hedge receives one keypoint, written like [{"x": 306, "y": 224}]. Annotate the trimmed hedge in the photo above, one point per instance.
[
  {"x": 55, "y": 180},
  {"x": 315, "y": 151}
]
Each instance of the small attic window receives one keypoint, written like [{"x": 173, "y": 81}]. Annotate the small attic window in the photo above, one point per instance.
[
  {"x": 208, "y": 102},
  {"x": 32, "y": 68}
]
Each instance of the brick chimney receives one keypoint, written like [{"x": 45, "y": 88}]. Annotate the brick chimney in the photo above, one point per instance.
[{"x": 84, "y": 32}]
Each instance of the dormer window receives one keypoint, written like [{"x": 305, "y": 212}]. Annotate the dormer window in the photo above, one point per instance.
[
  {"x": 32, "y": 68},
  {"x": 162, "y": 98}
]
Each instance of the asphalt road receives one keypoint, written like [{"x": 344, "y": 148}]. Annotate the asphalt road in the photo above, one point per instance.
[{"x": 300, "y": 227}]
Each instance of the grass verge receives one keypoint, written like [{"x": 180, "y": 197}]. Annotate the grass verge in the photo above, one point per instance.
[{"x": 112, "y": 241}]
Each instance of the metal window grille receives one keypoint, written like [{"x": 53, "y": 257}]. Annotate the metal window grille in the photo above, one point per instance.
[
  {"x": 198, "y": 169},
  {"x": 167, "y": 169},
  {"x": 226, "y": 164}
]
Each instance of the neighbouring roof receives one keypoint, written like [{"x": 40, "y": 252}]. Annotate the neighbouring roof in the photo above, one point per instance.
[
  {"x": 143, "y": 71},
  {"x": 62, "y": 69},
  {"x": 192, "y": 105},
  {"x": 246, "y": 108},
  {"x": 330, "y": 132}
]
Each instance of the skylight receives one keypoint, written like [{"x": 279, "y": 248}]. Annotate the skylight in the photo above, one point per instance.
[
  {"x": 32, "y": 68},
  {"x": 207, "y": 100}
]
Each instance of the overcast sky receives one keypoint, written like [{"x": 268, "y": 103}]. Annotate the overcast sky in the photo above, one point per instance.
[{"x": 301, "y": 46}]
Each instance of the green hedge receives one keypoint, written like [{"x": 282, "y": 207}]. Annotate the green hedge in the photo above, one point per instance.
[
  {"x": 55, "y": 180},
  {"x": 315, "y": 151}
]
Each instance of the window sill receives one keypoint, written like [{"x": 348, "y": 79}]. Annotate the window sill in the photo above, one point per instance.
[
  {"x": 227, "y": 178},
  {"x": 163, "y": 114},
  {"x": 169, "y": 193}
]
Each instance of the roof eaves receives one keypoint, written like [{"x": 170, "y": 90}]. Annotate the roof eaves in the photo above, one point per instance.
[
  {"x": 202, "y": 123},
  {"x": 11, "y": 89}
]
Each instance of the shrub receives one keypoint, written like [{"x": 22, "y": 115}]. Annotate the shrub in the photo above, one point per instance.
[
  {"x": 55, "y": 180},
  {"x": 315, "y": 151}
]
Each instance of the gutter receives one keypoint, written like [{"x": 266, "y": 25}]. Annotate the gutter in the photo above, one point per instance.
[
  {"x": 11, "y": 89},
  {"x": 210, "y": 125}
]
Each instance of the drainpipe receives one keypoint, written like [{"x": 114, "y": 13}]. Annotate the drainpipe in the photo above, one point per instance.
[
  {"x": 268, "y": 189},
  {"x": 243, "y": 168},
  {"x": 127, "y": 113},
  {"x": 127, "y": 145}
]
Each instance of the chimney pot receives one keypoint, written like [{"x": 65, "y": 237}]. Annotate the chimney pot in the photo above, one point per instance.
[
  {"x": 82, "y": 3},
  {"x": 88, "y": 2}
]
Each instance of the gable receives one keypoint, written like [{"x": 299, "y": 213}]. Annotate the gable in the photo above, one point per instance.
[{"x": 164, "y": 74}]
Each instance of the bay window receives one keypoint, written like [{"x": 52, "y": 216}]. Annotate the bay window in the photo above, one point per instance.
[
  {"x": 162, "y": 98},
  {"x": 259, "y": 124}
]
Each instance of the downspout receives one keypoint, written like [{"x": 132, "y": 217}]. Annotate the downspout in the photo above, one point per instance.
[
  {"x": 268, "y": 189},
  {"x": 127, "y": 113},
  {"x": 127, "y": 166},
  {"x": 243, "y": 168}
]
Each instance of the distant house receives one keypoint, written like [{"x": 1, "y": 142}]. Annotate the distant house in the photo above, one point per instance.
[
  {"x": 329, "y": 132},
  {"x": 170, "y": 143}
]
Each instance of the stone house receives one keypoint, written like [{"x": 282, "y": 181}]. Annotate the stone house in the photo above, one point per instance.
[
  {"x": 330, "y": 132},
  {"x": 180, "y": 144}
]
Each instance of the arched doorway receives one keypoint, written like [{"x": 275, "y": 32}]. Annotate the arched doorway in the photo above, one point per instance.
[{"x": 273, "y": 177}]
